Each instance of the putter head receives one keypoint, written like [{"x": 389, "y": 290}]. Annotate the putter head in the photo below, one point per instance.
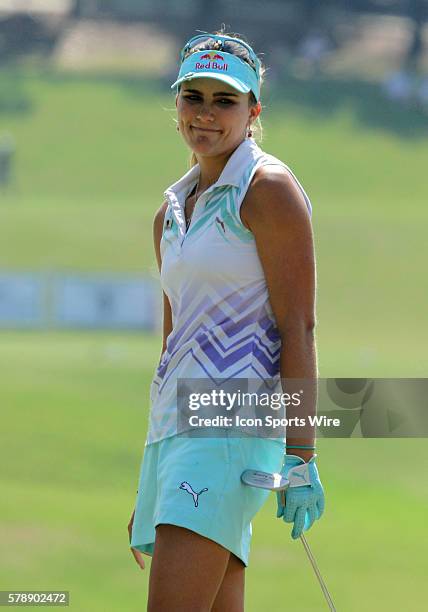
[{"x": 272, "y": 481}]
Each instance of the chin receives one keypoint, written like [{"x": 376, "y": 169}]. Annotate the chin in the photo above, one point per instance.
[
  {"x": 216, "y": 146},
  {"x": 206, "y": 148}
]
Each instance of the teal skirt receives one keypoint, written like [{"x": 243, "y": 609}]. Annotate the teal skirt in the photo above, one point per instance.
[{"x": 196, "y": 483}]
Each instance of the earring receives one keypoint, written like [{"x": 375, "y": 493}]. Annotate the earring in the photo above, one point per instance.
[
  {"x": 250, "y": 132},
  {"x": 177, "y": 127}
]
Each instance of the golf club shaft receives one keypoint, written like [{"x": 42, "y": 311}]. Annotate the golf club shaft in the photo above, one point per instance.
[{"x": 317, "y": 572}]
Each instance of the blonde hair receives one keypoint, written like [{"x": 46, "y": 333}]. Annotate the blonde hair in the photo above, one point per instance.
[{"x": 239, "y": 51}]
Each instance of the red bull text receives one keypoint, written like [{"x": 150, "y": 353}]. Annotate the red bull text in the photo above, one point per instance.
[
  {"x": 213, "y": 62},
  {"x": 210, "y": 66}
]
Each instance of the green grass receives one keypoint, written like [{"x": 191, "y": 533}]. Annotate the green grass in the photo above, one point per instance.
[
  {"x": 74, "y": 412},
  {"x": 94, "y": 155},
  {"x": 92, "y": 139}
]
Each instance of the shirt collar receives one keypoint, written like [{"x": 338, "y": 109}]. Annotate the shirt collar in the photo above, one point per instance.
[{"x": 232, "y": 173}]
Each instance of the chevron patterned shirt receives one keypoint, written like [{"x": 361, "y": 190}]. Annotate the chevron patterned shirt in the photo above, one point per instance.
[{"x": 223, "y": 324}]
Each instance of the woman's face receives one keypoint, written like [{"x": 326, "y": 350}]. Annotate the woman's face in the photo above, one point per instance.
[{"x": 213, "y": 117}]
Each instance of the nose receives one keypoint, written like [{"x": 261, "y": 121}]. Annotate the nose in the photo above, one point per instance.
[{"x": 205, "y": 113}]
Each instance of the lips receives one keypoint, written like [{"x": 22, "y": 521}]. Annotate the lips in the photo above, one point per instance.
[{"x": 203, "y": 129}]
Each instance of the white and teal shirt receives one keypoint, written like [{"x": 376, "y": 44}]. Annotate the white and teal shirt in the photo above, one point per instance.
[{"x": 223, "y": 324}]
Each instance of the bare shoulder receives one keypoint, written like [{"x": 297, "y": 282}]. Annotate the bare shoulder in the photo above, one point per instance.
[
  {"x": 273, "y": 197},
  {"x": 159, "y": 218},
  {"x": 158, "y": 221},
  {"x": 157, "y": 229}
]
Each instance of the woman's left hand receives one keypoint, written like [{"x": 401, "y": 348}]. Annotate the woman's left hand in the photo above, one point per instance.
[{"x": 303, "y": 501}]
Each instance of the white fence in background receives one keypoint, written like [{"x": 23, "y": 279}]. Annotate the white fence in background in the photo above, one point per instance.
[
  {"x": 22, "y": 300},
  {"x": 79, "y": 301}
]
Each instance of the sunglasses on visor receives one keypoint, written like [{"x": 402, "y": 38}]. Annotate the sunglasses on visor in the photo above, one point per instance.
[{"x": 210, "y": 38}]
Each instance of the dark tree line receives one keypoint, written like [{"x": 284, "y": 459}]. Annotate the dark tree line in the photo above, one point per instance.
[
  {"x": 265, "y": 23},
  {"x": 268, "y": 22}
]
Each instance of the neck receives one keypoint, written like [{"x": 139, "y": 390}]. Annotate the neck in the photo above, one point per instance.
[{"x": 211, "y": 168}]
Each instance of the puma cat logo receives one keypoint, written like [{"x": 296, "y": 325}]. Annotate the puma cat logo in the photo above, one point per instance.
[{"x": 186, "y": 487}]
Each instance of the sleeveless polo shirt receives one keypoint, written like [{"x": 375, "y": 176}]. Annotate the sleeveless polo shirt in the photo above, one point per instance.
[{"x": 223, "y": 324}]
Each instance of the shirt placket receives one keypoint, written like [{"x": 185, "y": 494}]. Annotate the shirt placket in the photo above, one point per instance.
[{"x": 177, "y": 208}]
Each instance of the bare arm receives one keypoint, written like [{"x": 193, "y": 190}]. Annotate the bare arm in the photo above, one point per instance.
[
  {"x": 157, "y": 235},
  {"x": 167, "y": 327},
  {"x": 275, "y": 211}
]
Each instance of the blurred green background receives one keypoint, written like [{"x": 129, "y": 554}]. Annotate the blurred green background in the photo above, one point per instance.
[{"x": 94, "y": 153}]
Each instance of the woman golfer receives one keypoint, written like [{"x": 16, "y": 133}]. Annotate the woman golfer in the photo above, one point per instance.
[{"x": 234, "y": 245}]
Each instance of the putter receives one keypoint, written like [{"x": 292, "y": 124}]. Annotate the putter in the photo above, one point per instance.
[
  {"x": 278, "y": 482},
  {"x": 265, "y": 480}
]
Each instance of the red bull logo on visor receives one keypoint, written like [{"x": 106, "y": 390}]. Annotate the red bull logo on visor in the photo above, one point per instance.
[
  {"x": 212, "y": 55},
  {"x": 212, "y": 61}
]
